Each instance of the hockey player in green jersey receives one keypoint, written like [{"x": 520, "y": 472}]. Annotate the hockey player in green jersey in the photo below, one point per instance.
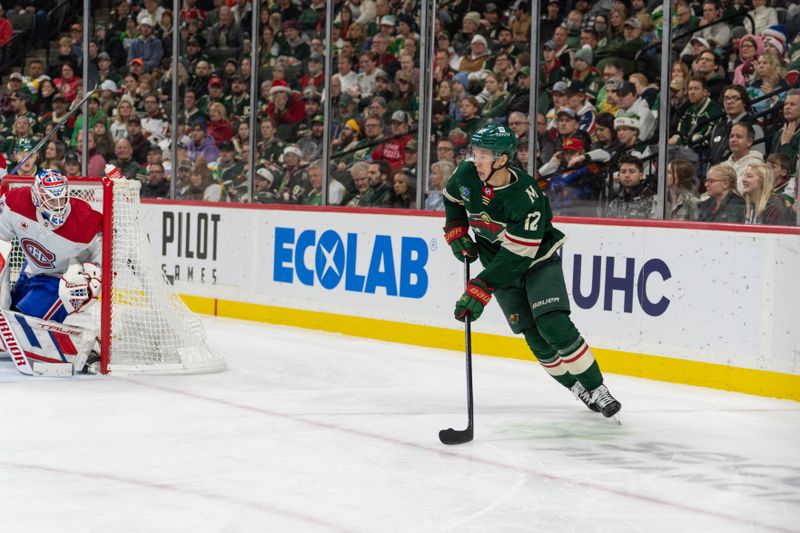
[{"x": 517, "y": 245}]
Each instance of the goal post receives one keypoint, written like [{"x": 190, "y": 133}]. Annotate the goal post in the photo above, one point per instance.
[{"x": 145, "y": 328}]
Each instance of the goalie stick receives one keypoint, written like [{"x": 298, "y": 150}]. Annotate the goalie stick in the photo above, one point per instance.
[{"x": 452, "y": 436}]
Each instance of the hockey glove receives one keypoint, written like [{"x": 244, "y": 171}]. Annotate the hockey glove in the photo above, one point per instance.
[
  {"x": 461, "y": 244},
  {"x": 79, "y": 285},
  {"x": 474, "y": 299}
]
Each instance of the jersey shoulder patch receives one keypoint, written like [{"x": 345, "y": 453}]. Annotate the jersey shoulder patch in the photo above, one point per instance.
[{"x": 83, "y": 223}]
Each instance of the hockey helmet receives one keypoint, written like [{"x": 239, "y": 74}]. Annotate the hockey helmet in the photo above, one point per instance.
[
  {"x": 50, "y": 195},
  {"x": 499, "y": 139}
]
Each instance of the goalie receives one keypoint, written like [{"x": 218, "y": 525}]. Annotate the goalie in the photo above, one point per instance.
[{"x": 61, "y": 241}]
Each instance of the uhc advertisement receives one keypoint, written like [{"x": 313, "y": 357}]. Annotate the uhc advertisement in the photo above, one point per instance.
[{"x": 711, "y": 296}]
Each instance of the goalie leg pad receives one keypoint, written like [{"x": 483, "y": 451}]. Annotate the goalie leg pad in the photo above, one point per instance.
[{"x": 38, "y": 297}]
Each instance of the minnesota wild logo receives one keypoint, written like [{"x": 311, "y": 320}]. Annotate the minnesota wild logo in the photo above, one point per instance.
[{"x": 482, "y": 224}]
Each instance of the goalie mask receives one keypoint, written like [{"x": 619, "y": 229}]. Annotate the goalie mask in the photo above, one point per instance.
[{"x": 50, "y": 194}]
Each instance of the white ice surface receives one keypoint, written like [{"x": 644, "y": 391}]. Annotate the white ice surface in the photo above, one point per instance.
[{"x": 311, "y": 432}]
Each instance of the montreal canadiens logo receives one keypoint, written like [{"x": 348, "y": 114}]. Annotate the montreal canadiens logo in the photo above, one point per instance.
[
  {"x": 38, "y": 254},
  {"x": 54, "y": 182}
]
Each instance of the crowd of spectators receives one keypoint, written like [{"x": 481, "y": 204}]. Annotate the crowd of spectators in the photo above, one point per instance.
[{"x": 733, "y": 137}]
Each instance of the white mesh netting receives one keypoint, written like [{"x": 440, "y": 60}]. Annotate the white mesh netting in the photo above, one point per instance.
[{"x": 152, "y": 330}]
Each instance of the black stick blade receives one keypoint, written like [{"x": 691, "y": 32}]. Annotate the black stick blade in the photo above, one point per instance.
[{"x": 454, "y": 436}]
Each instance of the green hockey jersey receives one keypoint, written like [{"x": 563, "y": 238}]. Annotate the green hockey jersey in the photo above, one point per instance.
[{"x": 512, "y": 224}]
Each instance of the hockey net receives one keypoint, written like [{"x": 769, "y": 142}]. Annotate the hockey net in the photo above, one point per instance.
[{"x": 145, "y": 327}]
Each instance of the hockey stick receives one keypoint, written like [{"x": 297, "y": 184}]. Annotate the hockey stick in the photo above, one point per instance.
[
  {"x": 454, "y": 436},
  {"x": 53, "y": 131}
]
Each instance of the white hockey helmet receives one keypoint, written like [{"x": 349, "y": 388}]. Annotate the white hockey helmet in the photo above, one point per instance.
[{"x": 50, "y": 194}]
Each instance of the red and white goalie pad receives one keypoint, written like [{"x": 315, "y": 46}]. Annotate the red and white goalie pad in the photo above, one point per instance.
[{"x": 41, "y": 347}]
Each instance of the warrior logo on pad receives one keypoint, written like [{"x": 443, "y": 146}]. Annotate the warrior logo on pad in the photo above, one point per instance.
[{"x": 38, "y": 254}]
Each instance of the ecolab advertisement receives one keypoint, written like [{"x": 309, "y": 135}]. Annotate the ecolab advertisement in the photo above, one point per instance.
[{"x": 713, "y": 296}]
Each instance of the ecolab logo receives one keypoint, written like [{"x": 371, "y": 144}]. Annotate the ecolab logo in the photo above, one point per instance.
[{"x": 334, "y": 259}]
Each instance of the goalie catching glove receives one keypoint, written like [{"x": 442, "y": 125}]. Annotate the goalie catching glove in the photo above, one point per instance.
[
  {"x": 456, "y": 234},
  {"x": 79, "y": 285}
]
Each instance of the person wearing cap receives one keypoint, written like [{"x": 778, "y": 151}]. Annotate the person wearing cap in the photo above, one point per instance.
[
  {"x": 263, "y": 190},
  {"x": 568, "y": 126},
  {"x": 392, "y": 150},
  {"x": 441, "y": 121},
  {"x": 477, "y": 56},
  {"x": 105, "y": 72},
  {"x": 215, "y": 93},
  {"x": 226, "y": 34},
  {"x": 14, "y": 82},
  {"x": 285, "y": 106},
  {"x": 72, "y": 164},
  {"x": 629, "y": 102},
  {"x": 462, "y": 40},
  {"x": 628, "y": 126},
  {"x": 312, "y": 102},
  {"x": 558, "y": 95},
  {"x": 584, "y": 71},
  {"x": 57, "y": 114},
  {"x": 229, "y": 169},
  {"x": 347, "y": 139},
  {"x": 551, "y": 71},
  {"x": 20, "y": 101},
  {"x": 577, "y": 101},
  {"x": 573, "y": 185},
  {"x": 627, "y": 51},
  {"x": 410, "y": 159},
  {"x": 294, "y": 186},
  {"x": 519, "y": 92},
  {"x": 293, "y": 49},
  {"x": 147, "y": 46},
  {"x": 237, "y": 103},
  {"x": 314, "y": 76},
  {"x": 517, "y": 244}
]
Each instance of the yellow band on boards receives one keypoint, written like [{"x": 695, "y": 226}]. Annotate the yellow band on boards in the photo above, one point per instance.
[{"x": 716, "y": 376}]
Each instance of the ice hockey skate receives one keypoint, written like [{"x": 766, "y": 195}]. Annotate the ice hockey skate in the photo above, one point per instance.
[
  {"x": 604, "y": 402},
  {"x": 584, "y": 396}
]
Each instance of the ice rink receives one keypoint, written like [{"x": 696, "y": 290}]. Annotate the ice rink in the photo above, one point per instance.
[{"x": 312, "y": 432}]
